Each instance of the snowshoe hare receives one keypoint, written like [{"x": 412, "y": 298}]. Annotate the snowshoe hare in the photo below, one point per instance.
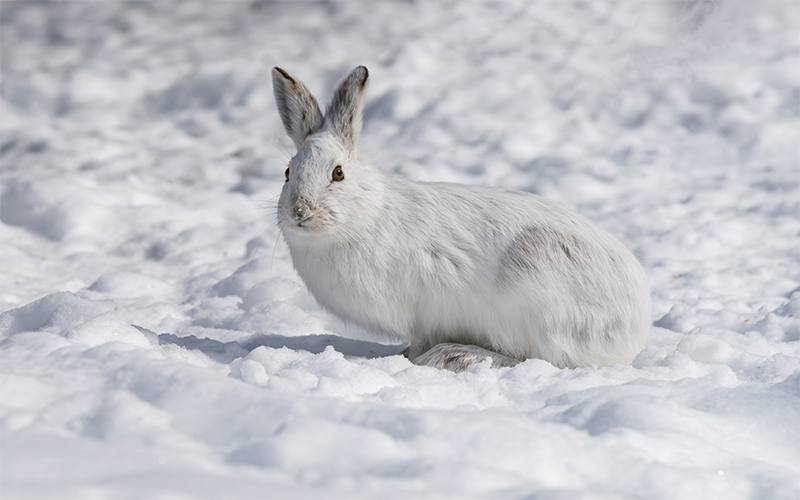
[{"x": 460, "y": 273}]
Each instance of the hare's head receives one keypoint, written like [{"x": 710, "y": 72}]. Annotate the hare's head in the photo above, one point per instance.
[{"x": 328, "y": 189}]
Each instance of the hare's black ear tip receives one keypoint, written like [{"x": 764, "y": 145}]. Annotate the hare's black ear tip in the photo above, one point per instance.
[
  {"x": 276, "y": 71},
  {"x": 365, "y": 74}
]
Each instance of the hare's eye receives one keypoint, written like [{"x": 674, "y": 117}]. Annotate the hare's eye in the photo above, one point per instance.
[
  {"x": 287, "y": 174},
  {"x": 338, "y": 174}
]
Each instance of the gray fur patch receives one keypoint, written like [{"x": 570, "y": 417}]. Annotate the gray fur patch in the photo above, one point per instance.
[
  {"x": 566, "y": 251},
  {"x": 535, "y": 249},
  {"x": 459, "y": 357},
  {"x": 526, "y": 251}
]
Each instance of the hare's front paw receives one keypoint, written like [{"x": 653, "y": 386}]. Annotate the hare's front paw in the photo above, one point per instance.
[{"x": 459, "y": 357}]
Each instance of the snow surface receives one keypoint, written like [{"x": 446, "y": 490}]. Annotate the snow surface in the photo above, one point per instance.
[{"x": 156, "y": 342}]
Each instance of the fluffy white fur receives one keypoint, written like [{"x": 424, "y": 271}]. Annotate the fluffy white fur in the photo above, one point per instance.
[{"x": 433, "y": 263}]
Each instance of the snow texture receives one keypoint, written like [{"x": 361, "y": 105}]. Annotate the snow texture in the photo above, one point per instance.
[{"x": 156, "y": 342}]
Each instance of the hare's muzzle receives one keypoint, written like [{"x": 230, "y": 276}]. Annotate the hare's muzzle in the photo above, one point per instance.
[{"x": 301, "y": 210}]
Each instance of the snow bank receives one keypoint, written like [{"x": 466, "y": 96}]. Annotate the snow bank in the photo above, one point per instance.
[{"x": 155, "y": 341}]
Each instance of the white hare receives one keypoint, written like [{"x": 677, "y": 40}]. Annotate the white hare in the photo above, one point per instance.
[{"x": 461, "y": 273}]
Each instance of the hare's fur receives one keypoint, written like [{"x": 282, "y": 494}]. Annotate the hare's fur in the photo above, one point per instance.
[{"x": 436, "y": 263}]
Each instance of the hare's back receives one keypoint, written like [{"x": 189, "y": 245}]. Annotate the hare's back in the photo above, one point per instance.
[
  {"x": 514, "y": 218},
  {"x": 523, "y": 237}
]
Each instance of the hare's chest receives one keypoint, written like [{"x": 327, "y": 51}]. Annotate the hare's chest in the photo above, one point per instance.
[{"x": 352, "y": 283}]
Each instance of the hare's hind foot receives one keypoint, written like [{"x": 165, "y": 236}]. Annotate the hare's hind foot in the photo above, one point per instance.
[{"x": 459, "y": 357}]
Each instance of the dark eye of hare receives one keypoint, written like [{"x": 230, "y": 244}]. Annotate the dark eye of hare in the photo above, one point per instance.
[
  {"x": 338, "y": 174},
  {"x": 287, "y": 173}
]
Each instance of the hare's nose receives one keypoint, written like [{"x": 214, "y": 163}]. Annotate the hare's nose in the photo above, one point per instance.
[{"x": 301, "y": 211}]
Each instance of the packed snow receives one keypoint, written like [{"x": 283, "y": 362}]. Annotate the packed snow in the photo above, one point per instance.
[{"x": 155, "y": 341}]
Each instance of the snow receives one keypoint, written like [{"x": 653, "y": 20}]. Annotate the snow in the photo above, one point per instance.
[{"x": 156, "y": 342}]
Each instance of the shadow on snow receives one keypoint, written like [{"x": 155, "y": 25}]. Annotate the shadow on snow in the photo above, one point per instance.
[{"x": 225, "y": 352}]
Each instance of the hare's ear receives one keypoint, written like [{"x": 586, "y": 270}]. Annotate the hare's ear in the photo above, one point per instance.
[
  {"x": 298, "y": 108},
  {"x": 343, "y": 116}
]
